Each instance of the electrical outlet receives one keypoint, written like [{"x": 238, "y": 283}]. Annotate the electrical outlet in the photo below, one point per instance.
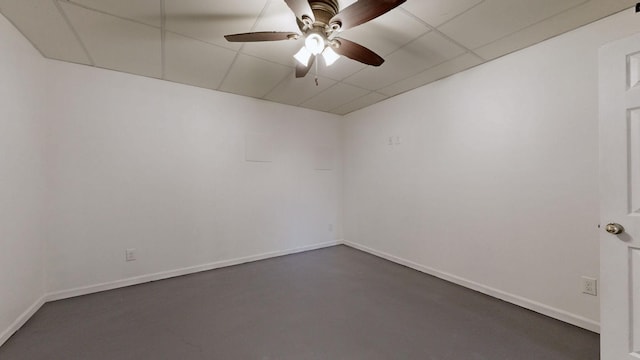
[
  {"x": 589, "y": 286},
  {"x": 130, "y": 254},
  {"x": 330, "y": 227}
]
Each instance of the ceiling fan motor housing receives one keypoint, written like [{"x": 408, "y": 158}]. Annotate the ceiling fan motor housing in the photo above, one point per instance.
[{"x": 324, "y": 11}]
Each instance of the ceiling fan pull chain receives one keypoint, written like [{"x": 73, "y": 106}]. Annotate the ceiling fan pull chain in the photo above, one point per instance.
[{"x": 316, "y": 77}]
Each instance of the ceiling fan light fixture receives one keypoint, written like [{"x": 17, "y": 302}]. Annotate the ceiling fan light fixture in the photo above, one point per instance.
[
  {"x": 303, "y": 56},
  {"x": 330, "y": 56},
  {"x": 320, "y": 22},
  {"x": 314, "y": 43}
]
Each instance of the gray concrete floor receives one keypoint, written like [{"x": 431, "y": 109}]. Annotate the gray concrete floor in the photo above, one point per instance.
[{"x": 335, "y": 303}]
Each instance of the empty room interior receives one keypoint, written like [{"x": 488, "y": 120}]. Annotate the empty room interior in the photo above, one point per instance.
[{"x": 269, "y": 179}]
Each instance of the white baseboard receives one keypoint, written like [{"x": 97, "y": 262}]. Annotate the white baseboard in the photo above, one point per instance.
[
  {"x": 85, "y": 290},
  {"x": 21, "y": 320},
  {"x": 561, "y": 315},
  {"x": 514, "y": 299}
]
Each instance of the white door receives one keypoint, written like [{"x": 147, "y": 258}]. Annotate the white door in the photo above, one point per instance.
[{"x": 620, "y": 199}]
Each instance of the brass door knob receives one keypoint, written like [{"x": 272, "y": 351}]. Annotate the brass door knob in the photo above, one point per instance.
[{"x": 614, "y": 228}]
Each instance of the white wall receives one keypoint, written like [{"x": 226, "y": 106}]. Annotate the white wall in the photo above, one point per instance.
[
  {"x": 93, "y": 162},
  {"x": 22, "y": 182},
  {"x": 495, "y": 183},
  {"x": 160, "y": 167}
]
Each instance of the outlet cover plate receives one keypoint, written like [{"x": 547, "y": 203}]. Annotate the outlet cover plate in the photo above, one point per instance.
[
  {"x": 130, "y": 254},
  {"x": 589, "y": 286}
]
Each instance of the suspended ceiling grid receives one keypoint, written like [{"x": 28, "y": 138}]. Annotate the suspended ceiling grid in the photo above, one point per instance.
[{"x": 182, "y": 41}]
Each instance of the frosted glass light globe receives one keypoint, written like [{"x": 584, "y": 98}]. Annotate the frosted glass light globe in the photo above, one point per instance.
[
  {"x": 330, "y": 56},
  {"x": 303, "y": 56},
  {"x": 314, "y": 43}
]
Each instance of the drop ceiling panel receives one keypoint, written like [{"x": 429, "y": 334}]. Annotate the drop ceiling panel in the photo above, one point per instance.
[
  {"x": 195, "y": 62},
  {"x": 117, "y": 44},
  {"x": 387, "y": 33},
  {"x": 294, "y": 91},
  {"x": 341, "y": 69},
  {"x": 42, "y": 23},
  {"x": 359, "y": 103},
  {"x": 443, "y": 70},
  {"x": 210, "y": 20},
  {"x": 254, "y": 77},
  {"x": 486, "y": 23},
  {"x": 277, "y": 17},
  {"x": 437, "y": 12},
  {"x": 335, "y": 97},
  {"x": 145, "y": 11},
  {"x": 561, "y": 23},
  {"x": 427, "y": 51}
]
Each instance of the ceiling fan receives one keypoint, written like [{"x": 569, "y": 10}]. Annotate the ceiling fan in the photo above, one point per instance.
[{"x": 320, "y": 22}]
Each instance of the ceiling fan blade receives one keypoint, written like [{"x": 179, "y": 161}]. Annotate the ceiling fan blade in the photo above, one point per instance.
[
  {"x": 301, "y": 70},
  {"x": 300, "y": 8},
  {"x": 362, "y": 11},
  {"x": 358, "y": 52},
  {"x": 261, "y": 36}
]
